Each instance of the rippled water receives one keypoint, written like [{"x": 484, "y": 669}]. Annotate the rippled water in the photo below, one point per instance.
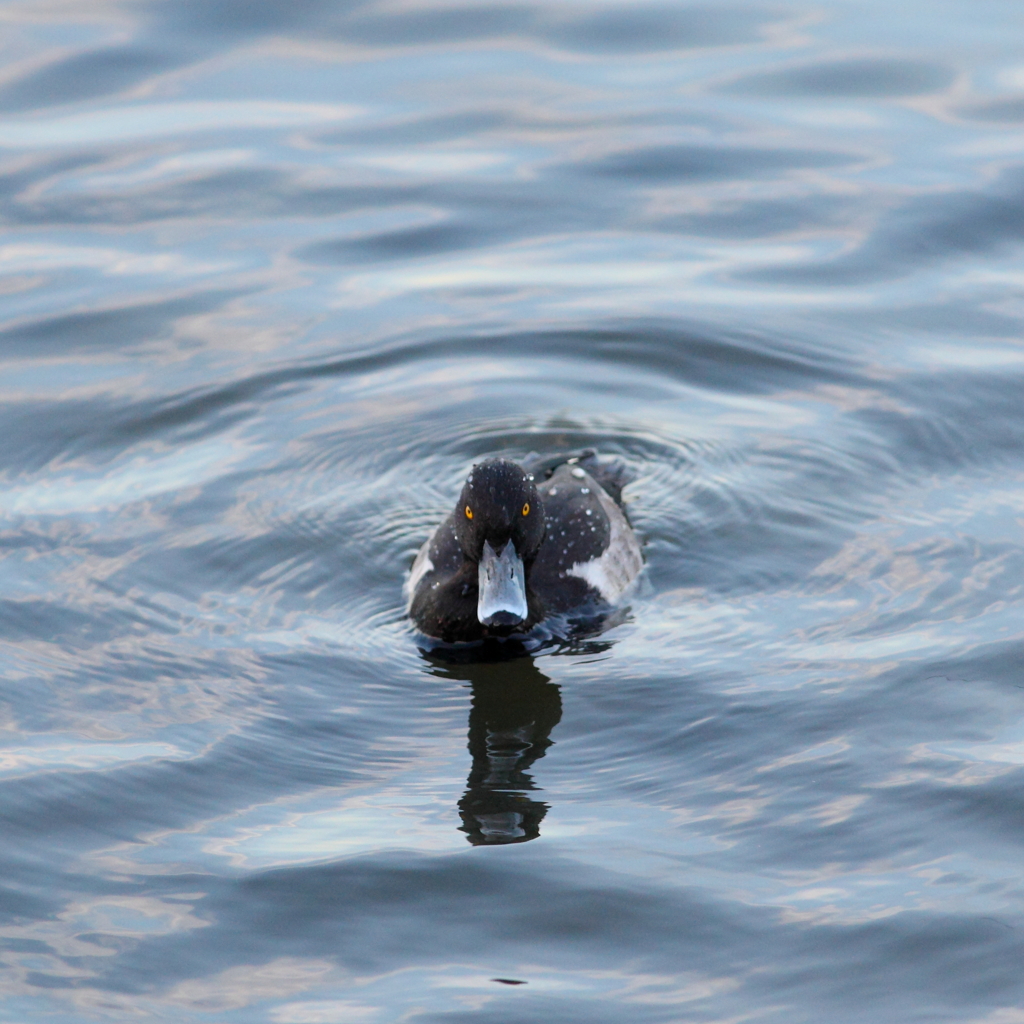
[{"x": 274, "y": 273}]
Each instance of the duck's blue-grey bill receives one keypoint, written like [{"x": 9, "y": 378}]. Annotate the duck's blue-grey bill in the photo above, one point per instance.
[{"x": 502, "y": 600}]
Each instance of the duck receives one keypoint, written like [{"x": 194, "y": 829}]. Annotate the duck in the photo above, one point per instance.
[{"x": 522, "y": 544}]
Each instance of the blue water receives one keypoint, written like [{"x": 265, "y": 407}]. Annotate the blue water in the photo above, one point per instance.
[{"x": 274, "y": 273}]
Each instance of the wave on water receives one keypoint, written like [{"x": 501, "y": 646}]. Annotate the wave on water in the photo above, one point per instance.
[{"x": 274, "y": 275}]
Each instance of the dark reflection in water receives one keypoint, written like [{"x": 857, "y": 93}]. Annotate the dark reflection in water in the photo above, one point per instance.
[
  {"x": 876, "y": 76},
  {"x": 514, "y": 708}
]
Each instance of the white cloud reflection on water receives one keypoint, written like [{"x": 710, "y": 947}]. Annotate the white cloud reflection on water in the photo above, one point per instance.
[
  {"x": 81, "y": 756},
  {"x": 28, "y": 256},
  {"x": 138, "y": 477},
  {"x": 147, "y": 120}
]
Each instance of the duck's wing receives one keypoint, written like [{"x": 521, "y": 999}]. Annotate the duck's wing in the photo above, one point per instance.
[
  {"x": 590, "y": 552},
  {"x": 610, "y": 472}
]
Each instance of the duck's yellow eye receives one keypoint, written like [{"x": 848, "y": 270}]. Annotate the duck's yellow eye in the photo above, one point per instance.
[
  {"x": 526, "y": 509},
  {"x": 469, "y": 512}
]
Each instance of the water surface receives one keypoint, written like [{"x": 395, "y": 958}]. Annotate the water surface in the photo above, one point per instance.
[{"x": 274, "y": 275}]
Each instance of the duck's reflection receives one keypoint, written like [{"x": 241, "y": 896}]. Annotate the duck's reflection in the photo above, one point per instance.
[{"x": 514, "y": 708}]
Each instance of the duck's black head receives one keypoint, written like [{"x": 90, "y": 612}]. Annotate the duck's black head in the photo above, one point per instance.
[
  {"x": 499, "y": 521},
  {"x": 499, "y": 503}
]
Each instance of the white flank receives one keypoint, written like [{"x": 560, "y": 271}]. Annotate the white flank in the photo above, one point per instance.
[
  {"x": 419, "y": 569},
  {"x": 620, "y": 563}
]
